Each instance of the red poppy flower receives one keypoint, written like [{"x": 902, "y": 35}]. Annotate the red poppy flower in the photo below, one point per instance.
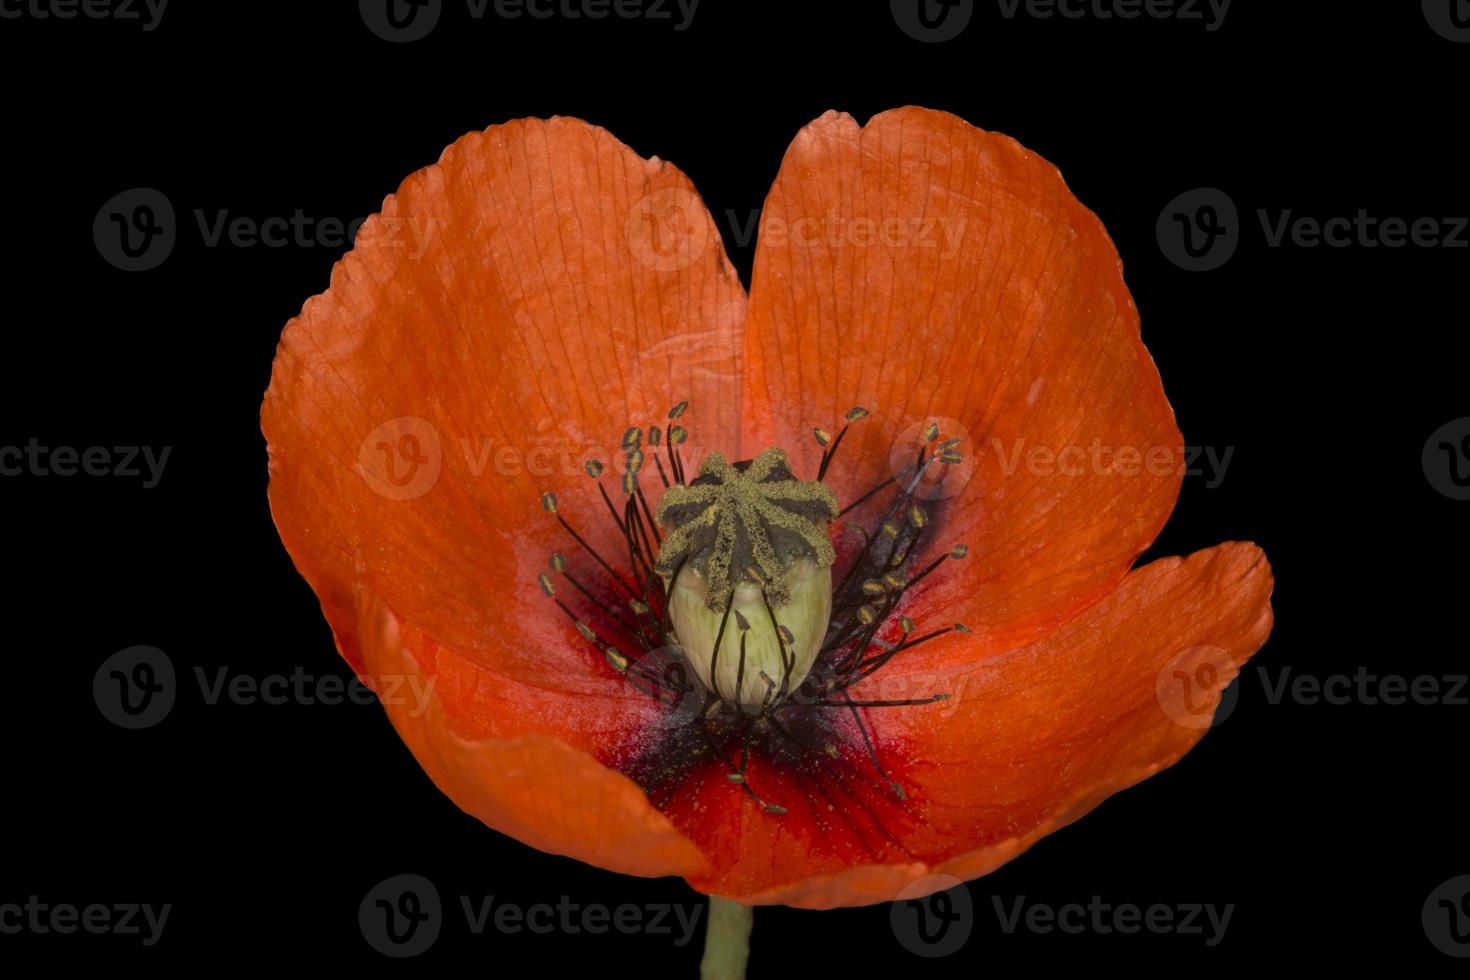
[{"x": 451, "y": 466}]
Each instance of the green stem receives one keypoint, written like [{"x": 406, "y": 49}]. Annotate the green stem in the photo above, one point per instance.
[{"x": 726, "y": 940}]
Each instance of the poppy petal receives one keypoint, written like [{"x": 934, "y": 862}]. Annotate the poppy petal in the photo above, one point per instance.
[
  {"x": 931, "y": 271},
  {"x": 509, "y": 312},
  {"x": 1028, "y": 742},
  {"x": 534, "y": 787}
]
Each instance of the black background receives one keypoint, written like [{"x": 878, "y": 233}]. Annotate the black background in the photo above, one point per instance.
[{"x": 1325, "y": 368}]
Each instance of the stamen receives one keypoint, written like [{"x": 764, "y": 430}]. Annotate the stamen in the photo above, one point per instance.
[
  {"x": 743, "y": 625},
  {"x": 872, "y": 752},
  {"x": 714, "y": 659},
  {"x": 548, "y": 502},
  {"x": 594, "y": 470},
  {"x": 854, "y": 414},
  {"x": 784, "y": 641},
  {"x": 737, "y": 774},
  {"x": 867, "y": 496},
  {"x": 638, "y": 547},
  {"x": 655, "y": 437},
  {"x": 957, "y": 553},
  {"x": 867, "y": 667},
  {"x": 677, "y": 436},
  {"x": 559, "y": 565},
  {"x": 648, "y": 515},
  {"x": 588, "y": 633},
  {"x": 905, "y": 702}
]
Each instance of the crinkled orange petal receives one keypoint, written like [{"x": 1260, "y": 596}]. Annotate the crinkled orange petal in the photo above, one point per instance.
[
  {"x": 928, "y": 270},
  {"x": 512, "y": 308},
  {"x": 1029, "y": 742}
]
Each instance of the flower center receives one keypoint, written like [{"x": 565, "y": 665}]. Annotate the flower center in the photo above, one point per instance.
[
  {"x": 733, "y": 621},
  {"x": 750, "y": 540}
]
